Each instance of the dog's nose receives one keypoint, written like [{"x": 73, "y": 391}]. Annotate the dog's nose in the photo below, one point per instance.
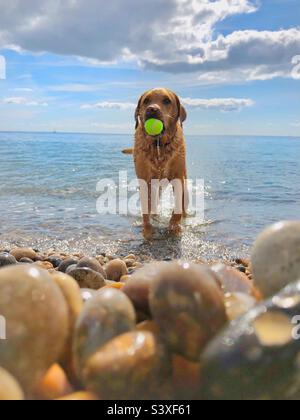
[{"x": 153, "y": 110}]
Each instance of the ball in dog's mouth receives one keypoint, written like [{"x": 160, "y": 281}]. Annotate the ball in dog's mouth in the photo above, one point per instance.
[{"x": 154, "y": 127}]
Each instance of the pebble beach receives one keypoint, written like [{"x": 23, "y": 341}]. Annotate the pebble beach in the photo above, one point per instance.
[{"x": 123, "y": 327}]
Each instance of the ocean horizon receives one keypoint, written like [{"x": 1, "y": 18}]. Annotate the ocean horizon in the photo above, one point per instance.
[{"x": 132, "y": 134}]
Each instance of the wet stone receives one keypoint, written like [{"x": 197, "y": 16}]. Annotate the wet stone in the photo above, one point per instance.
[
  {"x": 7, "y": 259},
  {"x": 106, "y": 315},
  {"x": 136, "y": 374},
  {"x": 115, "y": 269},
  {"x": 55, "y": 261},
  {"x": 71, "y": 268},
  {"x": 276, "y": 257},
  {"x": 10, "y": 390},
  {"x": 26, "y": 261},
  {"x": 93, "y": 264},
  {"x": 37, "y": 321},
  {"x": 66, "y": 263},
  {"x": 87, "y": 278},
  {"x": 188, "y": 307},
  {"x": 19, "y": 253}
]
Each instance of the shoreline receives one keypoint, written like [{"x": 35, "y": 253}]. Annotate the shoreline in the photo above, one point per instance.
[{"x": 187, "y": 247}]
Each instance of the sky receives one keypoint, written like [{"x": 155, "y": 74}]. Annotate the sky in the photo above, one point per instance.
[{"x": 81, "y": 65}]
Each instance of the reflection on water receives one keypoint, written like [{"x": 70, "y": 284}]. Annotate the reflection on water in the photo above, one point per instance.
[{"x": 48, "y": 193}]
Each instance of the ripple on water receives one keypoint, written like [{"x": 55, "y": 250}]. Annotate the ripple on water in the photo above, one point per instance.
[{"x": 48, "y": 194}]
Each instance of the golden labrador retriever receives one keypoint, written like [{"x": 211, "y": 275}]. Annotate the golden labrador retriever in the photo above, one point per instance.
[{"x": 162, "y": 157}]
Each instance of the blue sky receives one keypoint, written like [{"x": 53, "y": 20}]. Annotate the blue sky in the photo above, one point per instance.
[{"x": 81, "y": 66}]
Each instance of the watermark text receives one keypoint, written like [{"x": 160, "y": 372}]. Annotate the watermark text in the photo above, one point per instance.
[
  {"x": 133, "y": 197},
  {"x": 296, "y": 330}
]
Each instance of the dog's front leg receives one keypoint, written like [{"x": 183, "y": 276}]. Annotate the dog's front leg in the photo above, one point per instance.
[
  {"x": 145, "y": 194},
  {"x": 179, "y": 188}
]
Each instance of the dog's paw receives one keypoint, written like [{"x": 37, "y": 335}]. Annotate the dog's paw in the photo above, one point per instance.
[{"x": 148, "y": 232}]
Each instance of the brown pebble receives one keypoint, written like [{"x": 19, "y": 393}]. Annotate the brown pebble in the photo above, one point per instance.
[
  {"x": 101, "y": 259},
  {"x": 10, "y": 389},
  {"x": 115, "y": 269},
  {"x": 37, "y": 322},
  {"x": 188, "y": 307},
  {"x": 276, "y": 257},
  {"x": 238, "y": 304},
  {"x": 149, "y": 326},
  {"x": 54, "y": 384},
  {"x": 129, "y": 263},
  {"x": 186, "y": 378},
  {"x": 108, "y": 314},
  {"x": 137, "y": 287},
  {"x": 66, "y": 263},
  {"x": 234, "y": 281},
  {"x": 87, "y": 278},
  {"x": 70, "y": 268},
  {"x": 19, "y": 253},
  {"x": 71, "y": 292},
  {"x": 93, "y": 264},
  {"x": 26, "y": 261},
  {"x": 132, "y": 366},
  {"x": 131, "y": 257},
  {"x": 44, "y": 264},
  {"x": 79, "y": 396},
  {"x": 7, "y": 259}
]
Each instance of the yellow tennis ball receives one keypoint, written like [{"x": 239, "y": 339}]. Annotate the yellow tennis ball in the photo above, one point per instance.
[{"x": 154, "y": 127}]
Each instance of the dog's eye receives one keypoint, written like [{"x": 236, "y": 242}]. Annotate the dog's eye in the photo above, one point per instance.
[
  {"x": 146, "y": 101},
  {"x": 167, "y": 101}
]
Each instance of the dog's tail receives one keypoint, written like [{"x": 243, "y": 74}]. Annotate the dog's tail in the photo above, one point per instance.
[{"x": 128, "y": 151}]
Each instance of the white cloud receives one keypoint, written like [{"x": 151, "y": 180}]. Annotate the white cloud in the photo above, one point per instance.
[
  {"x": 110, "y": 105},
  {"x": 223, "y": 104},
  {"x": 105, "y": 32},
  {"x": 254, "y": 55},
  {"x": 24, "y": 90},
  {"x": 179, "y": 37},
  {"x": 19, "y": 100},
  {"x": 93, "y": 62}
]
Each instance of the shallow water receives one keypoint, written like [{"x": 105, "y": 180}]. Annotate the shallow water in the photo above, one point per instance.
[{"x": 48, "y": 194}]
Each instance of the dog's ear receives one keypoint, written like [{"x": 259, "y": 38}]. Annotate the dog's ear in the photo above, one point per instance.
[
  {"x": 137, "y": 113},
  {"x": 182, "y": 115}
]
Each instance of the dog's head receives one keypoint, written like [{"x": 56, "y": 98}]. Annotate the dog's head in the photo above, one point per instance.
[{"x": 161, "y": 104}]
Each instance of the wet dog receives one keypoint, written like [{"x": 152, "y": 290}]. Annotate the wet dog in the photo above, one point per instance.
[{"x": 162, "y": 157}]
